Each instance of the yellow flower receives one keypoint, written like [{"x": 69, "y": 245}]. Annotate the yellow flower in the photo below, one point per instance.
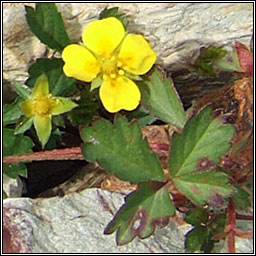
[
  {"x": 41, "y": 106},
  {"x": 109, "y": 55}
]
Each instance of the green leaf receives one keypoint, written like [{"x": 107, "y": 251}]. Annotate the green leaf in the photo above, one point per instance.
[
  {"x": 11, "y": 112},
  {"x": 209, "y": 187},
  {"x": 13, "y": 170},
  {"x": 142, "y": 115},
  {"x": 242, "y": 198},
  {"x": 4, "y": 195},
  {"x": 203, "y": 141},
  {"x": 161, "y": 98},
  {"x": 196, "y": 217},
  {"x": 59, "y": 83},
  {"x": 47, "y": 24},
  {"x": 54, "y": 138},
  {"x": 113, "y": 12},
  {"x": 58, "y": 121},
  {"x": 23, "y": 91},
  {"x": 82, "y": 115},
  {"x": 208, "y": 245},
  {"x": 217, "y": 225},
  {"x": 195, "y": 238},
  {"x": 120, "y": 148},
  {"x": 14, "y": 145},
  {"x": 149, "y": 206},
  {"x": 24, "y": 124},
  {"x": 208, "y": 56},
  {"x": 87, "y": 109}
]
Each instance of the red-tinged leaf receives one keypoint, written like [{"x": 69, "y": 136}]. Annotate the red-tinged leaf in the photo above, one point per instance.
[
  {"x": 245, "y": 58},
  {"x": 144, "y": 209}
]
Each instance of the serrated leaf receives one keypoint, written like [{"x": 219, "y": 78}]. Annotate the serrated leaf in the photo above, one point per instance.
[
  {"x": 195, "y": 238},
  {"x": 113, "y": 12},
  {"x": 203, "y": 141},
  {"x": 11, "y": 112},
  {"x": 59, "y": 83},
  {"x": 242, "y": 198},
  {"x": 161, "y": 98},
  {"x": 120, "y": 149},
  {"x": 23, "y": 91},
  {"x": 149, "y": 206},
  {"x": 14, "y": 145},
  {"x": 46, "y": 23},
  {"x": 196, "y": 217},
  {"x": 209, "y": 187}
]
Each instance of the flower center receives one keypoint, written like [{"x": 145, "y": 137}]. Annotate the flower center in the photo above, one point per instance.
[
  {"x": 111, "y": 67},
  {"x": 42, "y": 105}
]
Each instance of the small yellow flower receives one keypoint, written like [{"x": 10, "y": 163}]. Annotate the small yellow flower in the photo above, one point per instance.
[
  {"x": 109, "y": 54},
  {"x": 41, "y": 106}
]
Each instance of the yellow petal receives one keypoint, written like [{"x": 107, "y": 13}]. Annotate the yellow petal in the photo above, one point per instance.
[
  {"x": 26, "y": 107},
  {"x": 43, "y": 126},
  {"x": 121, "y": 93},
  {"x": 41, "y": 87},
  {"x": 80, "y": 63},
  {"x": 137, "y": 55},
  {"x": 103, "y": 36}
]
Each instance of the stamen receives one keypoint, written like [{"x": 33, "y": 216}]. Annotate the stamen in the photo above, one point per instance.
[
  {"x": 119, "y": 79},
  {"x": 105, "y": 77},
  {"x": 121, "y": 72},
  {"x": 119, "y": 64},
  {"x": 112, "y": 75}
]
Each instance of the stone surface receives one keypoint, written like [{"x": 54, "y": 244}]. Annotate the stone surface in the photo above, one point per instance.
[
  {"x": 75, "y": 224},
  {"x": 12, "y": 187},
  {"x": 175, "y": 30}
]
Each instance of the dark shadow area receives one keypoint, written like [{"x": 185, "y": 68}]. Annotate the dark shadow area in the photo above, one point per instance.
[
  {"x": 48, "y": 174},
  {"x": 192, "y": 86}
]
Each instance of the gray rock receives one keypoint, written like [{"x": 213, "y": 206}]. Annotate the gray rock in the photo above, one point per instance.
[
  {"x": 12, "y": 187},
  {"x": 75, "y": 224}
]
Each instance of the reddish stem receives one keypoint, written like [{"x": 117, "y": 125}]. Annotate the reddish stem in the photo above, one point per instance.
[
  {"x": 231, "y": 226},
  {"x": 56, "y": 154},
  {"x": 243, "y": 217},
  {"x": 63, "y": 154}
]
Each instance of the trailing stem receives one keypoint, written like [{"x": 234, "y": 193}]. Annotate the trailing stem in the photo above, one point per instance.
[
  {"x": 230, "y": 226},
  {"x": 63, "y": 154}
]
